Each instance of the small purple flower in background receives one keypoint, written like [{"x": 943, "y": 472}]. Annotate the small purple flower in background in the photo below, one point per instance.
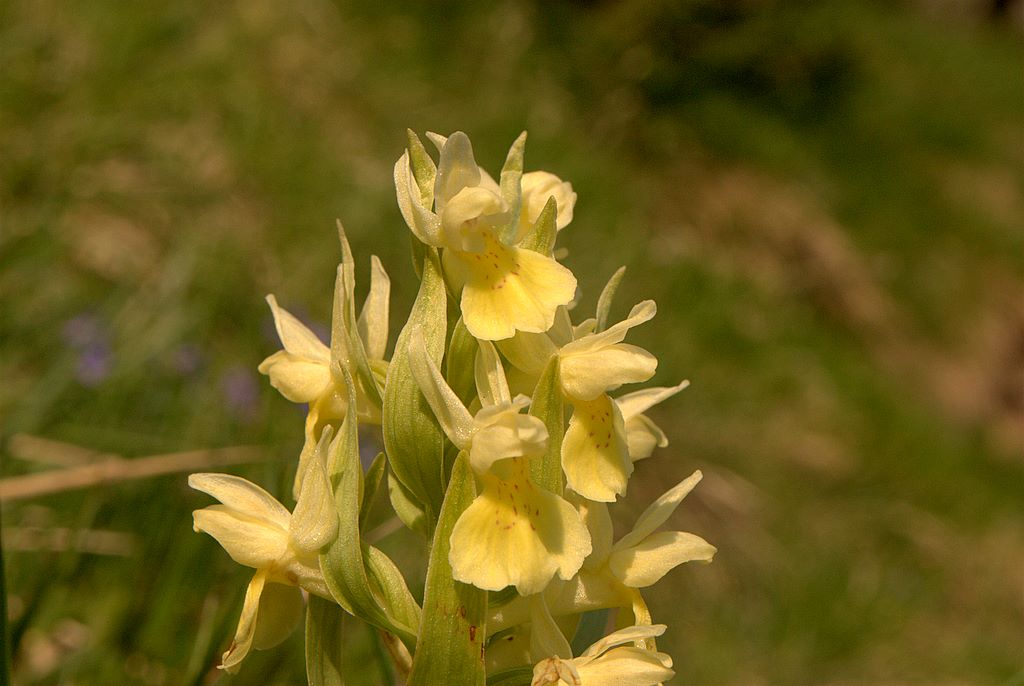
[
  {"x": 94, "y": 364},
  {"x": 89, "y": 337},
  {"x": 187, "y": 359},
  {"x": 241, "y": 393}
]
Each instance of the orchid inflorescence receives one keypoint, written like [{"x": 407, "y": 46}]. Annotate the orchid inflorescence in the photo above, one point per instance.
[{"x": 478, "y": 456}]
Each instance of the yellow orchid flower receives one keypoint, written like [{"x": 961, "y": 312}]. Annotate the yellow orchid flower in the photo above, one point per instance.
[
  {"x": 610, "y": 662},
  {"x": 307, "y": 370},
  {"x": 537, "y": 187},
  {"x": 478, "y": 223},
  {"x": 257, "y": 531},
  {"x": 642, "y": 434},
  {"x": 613, "y": 573},
  {"x": 513, "y": 533}
]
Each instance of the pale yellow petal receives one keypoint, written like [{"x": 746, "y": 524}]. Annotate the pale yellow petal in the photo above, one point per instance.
[
  {"x": 509, "y": 434},
  {"x": 517, "y": 534},
  {"x": 469, "y": 216},
  {"x": 241, "y": 495},
  {"x": 373, "y": 319},
  {"x": 528, "y": 352},
  {"x": 594, "y": 454},
  {"x": 659, "y": 511},
  {"x": 250, "y": 542},
  {"x": 537, "y": 187},
  {"x": 630, "y": 634},
  {"x": 509, "y": 289},
  {"x": 456, "y": 169},
  {"x": 546, "y": 639},
  {"x": 280, "y": 612},
  {"x": 638, "y": 402},
  {"x": 645, "y": 563},
  {"x": 298, "y": 379},
  {"x": 643, "y": 436},
  {"x": 599, "y": 523},
  {"x": 626, "y": 666},
  {"x": 587, "y": 374},
  {"x": 641, "y": 312},
  {"x": 296, "y": 336},
  {"x": 246, "y": 630},
  {"x": 491, "y": 383}
]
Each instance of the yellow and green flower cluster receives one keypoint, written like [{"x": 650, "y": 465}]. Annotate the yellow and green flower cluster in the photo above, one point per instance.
[{"x": 505, "y": 441}]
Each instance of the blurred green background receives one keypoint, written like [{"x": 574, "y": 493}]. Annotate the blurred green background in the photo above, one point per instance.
[{"x": 825, "y": 198}]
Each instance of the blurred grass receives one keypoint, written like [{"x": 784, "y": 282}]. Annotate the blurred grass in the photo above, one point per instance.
[{"x": 826, "y": 200}]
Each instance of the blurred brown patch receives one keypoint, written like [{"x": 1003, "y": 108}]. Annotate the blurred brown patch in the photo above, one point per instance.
[{"x": 747, "y": 226}]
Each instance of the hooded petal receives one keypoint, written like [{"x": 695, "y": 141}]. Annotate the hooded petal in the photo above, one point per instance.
[
  {"x": 297, "y": 378},
  {"x": 516, "y": 534},
  {"x": 508, "y": 289},
  {"x": 645, "y": 563},
  {"x": 594, "y": 453},
  {"x": 658, "y": 511},
  {"x": 456, "y": 169},
  {"x": 537, "y": 187},
  {"x": 469, "y": 216},
  {"x": 509, "y": 434}
]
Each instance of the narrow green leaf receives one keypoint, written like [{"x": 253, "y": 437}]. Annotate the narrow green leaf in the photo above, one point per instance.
[
  {"x": 458, "y": 364},
  {"x": 604, "y": 302},
  {"x": 452, "y": 633},
  {"x": 323, "y": 643},
  {"x": 541, "y": 237},
  {"x": 547, "y": 405},
  {"x": 413, "y": 439},
  {"x": 372, "y": 480},
  {"x": 343, "y": 563},
  {"x": 590, "y": 630},
  {"x": 516, "y": 676}
]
